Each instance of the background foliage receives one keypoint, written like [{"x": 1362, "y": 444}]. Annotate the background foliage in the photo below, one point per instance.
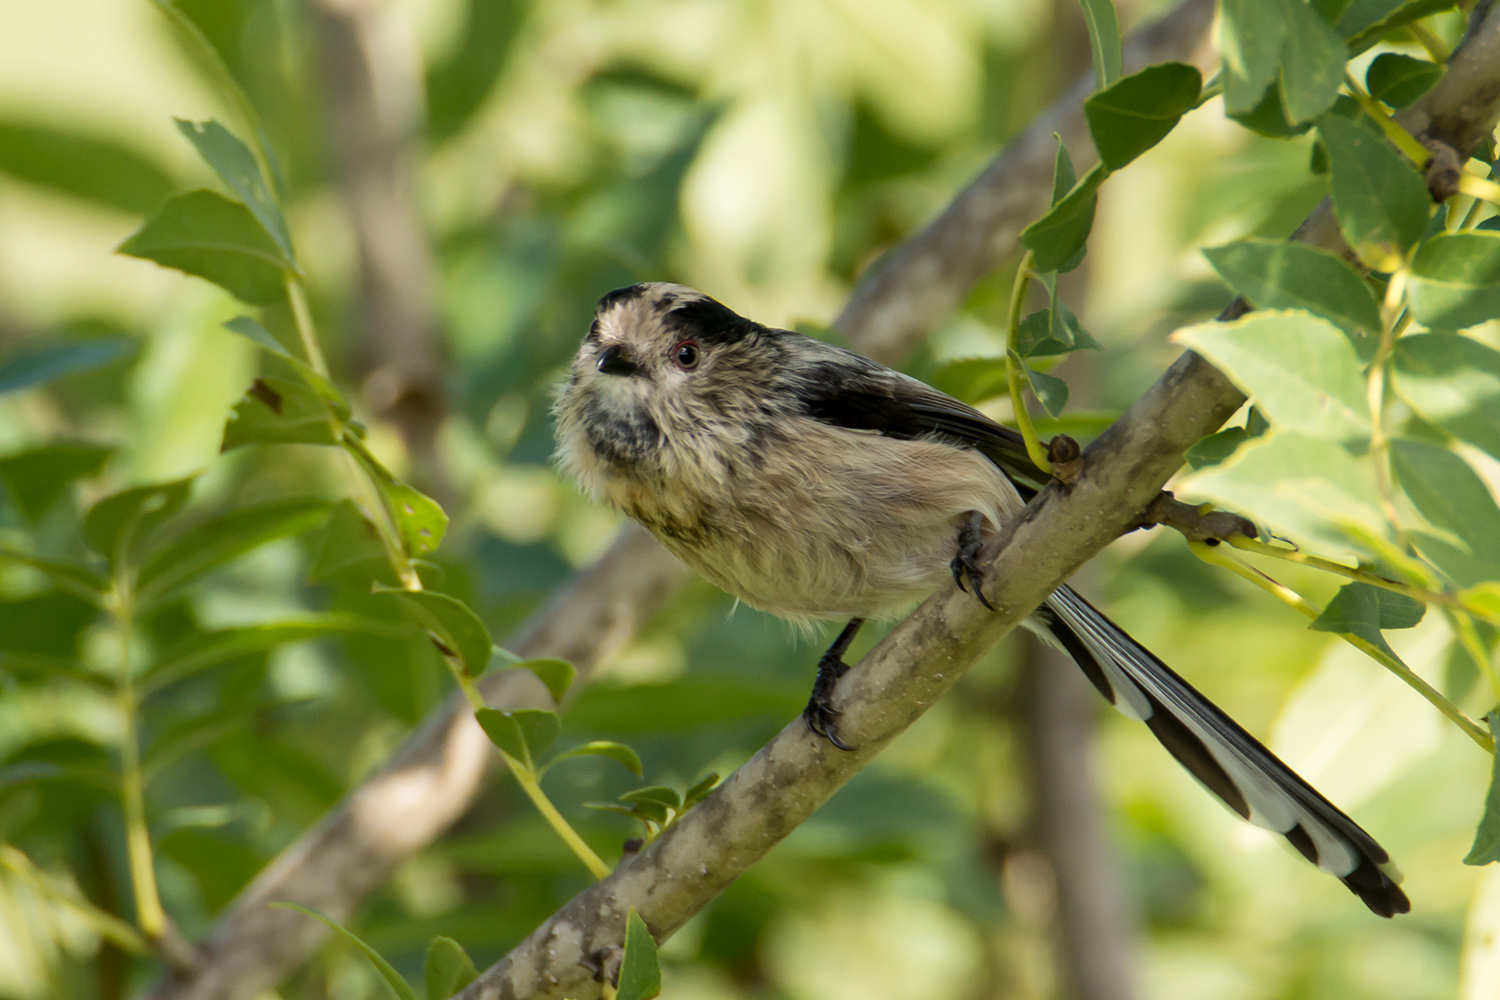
[{"x": 767, "y": 153}]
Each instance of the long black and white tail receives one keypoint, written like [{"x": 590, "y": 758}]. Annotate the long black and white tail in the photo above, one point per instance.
[{"x": 1228, "y": 761}]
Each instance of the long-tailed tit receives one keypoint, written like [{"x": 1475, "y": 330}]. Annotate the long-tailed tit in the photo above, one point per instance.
[{"x": 816, "y": 484}]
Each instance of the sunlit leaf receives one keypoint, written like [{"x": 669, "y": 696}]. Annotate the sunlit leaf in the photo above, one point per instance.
[
  {"x": 700, "y": 790},
  {"x": 1363, "y": 21},
  {"x": 1300, "y": 369},
  {"x": 1455, "y": 280},
  {"x": 617, "y": 752},
  {"x": 252, "y": 330},
  {"x": 660, "y": 794},
  {"x": 640, "y": 972},
  {"x": 206, "y": 234},
  {"x": 1454, "y": 382},
  {"x": 1449, "y": 494},
  {"x": 1381, "y": 201},
  {"x": 280, "y": 411},
  {"x": 556, "y": 674},
  {"x": 232, "y": 160},
  {"x": 1312, "y": 62},
  {"x": 419, "y": 520},
  {"x": 1486, "y": 846},
  {"x": 1139, "y": 110},
  {"x": 1285, "y": 275},
  {"x": 1363, "y": 610}
]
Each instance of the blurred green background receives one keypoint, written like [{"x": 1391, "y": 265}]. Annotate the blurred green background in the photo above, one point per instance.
[{"x": 765, "y": 151}]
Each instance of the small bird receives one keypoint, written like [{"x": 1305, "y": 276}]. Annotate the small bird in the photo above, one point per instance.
[{"x": 816, "y": 484}]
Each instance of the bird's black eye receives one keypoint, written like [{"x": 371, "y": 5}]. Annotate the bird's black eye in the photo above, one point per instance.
[{"x": 686, "y": 355}]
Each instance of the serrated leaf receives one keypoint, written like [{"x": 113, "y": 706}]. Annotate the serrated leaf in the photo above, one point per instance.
[
  {"x": 205, "y": 234},
  {"x": 1284, "y": 275},
  {"x": 348, "y": 539},
  {"x": 1300, "y": 369},
  {"x": 398, "y": 985},
  {"x": 252, "y": 330},
  {"x": 280, "y": 411},
  {"x": 617, "y": 752},
  {"x": 419, "y": 520},
  {"x": 1251, "y": 33},
  {"x": 640, "y": 971},
  {"x": 1057, "y": 237},
  {"x": 38, "y": 478},
  {"x": 1104, "y": 40},
  {"x": 525, "y": 733},
  {"x": 1381, "y": 201},
  {"x": 1399, "y": 80},
  {"x": 1486, "y": 846},
  {"x": 660, "y": 794},
  {"x": 117, "y": 524},
  {"x": 1312, "y": 63},
  {"x": 458, "y": 630},
  {"x": 1215, "y": 448},
  {"x": 1307, "y": 489},
  {"x": 556, "y": 674},
  {"x": 1053, "y": 331},
  {"x": 1050, "y": 391},
  {"x": 232, "y": 160},
  {"x": 448, "y": 969},
  {"x": 1455, "y": 280},
  {"x": 700, "y": 790},
  {"x": 1138, "y": 111},
  {"x": 1362, "y": 610},
  {"x": 1454, "y": 382},
  {"x": 53, "y": 361}
]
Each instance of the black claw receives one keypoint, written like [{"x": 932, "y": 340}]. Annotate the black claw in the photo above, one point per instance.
[
  {"x": 965, "y": 564},
  {"x": 820, "y": 715}
]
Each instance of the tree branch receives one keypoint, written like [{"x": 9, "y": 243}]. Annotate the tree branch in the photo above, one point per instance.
[{"x": 778, "y": 788}]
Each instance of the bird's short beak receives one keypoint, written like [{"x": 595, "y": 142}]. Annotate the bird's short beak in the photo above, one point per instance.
[{"x": 615, "y": 360}]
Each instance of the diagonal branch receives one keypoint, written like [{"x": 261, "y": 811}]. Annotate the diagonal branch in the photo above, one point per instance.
[
  {"x": 789, "y": 778},
  {"x": 438, "y": 771}
]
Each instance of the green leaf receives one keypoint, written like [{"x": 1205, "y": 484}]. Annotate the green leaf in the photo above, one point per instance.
[
  {"x": 57, "y": 360},
  {"x": 1312, "y": 62},
  {"x": 1251, "y": 33},
  {"x": 1057, "y": 237},
  {"x": 449, "y": 968},
  {"x": 348, "y": 539},
  {"x": 972, "y": 380},
  {"x": 1399, "y": 80},
  {"x": 1486, "y": 847},
  {"x": 1050, "y": 391},
  {"x": 232, "y": 160},
  {"x": 419, "y": 520},
  {"x": 206, "y": 234},
  {"x": 117, "y": 524},
  {"x": 218, "y": 540},
  {"x": 1452, "y": 381},
  {"x": 1215, "y": 448},
  {"x": 525, "y": 733},
  {"x": 1283, "y": 275},
  {"x": 1054, "y": 331},
  {"x": 1104, "y": 40},
  {"x": 280, "y": 411},
  {"x": 1449, "y": 494},
  {"x": 556, "y": 674},
  {"x": 456, "y": 628},
  {"x": 81, "y": 581},
  {"x": 640, "y": 972},
  {"x": 1307, "y": 489},
  {"x": 1364, "y": 21},
  {"x": 252, "y": 330},
  {"x": 38, "y": 478},
  {"x": 1455, "y": 280},
  {"x": 1270, "y": 118},
  {"x": 398, "y": 985},
  {"x": 1139, "y": 110},
  {"x": 660, "y": 794},
  {"x": 1301, "y": 370},
  {"x": 95, "y": 170},
  {"x": 210, "y": 648},
  {"x": 457, "y": 86},
  {"x": 1381, "y": 201},
  {"x": 1362, "y": 610},
  {"x": 617, "y": 752},
  {"x": 700, "y": 790}
]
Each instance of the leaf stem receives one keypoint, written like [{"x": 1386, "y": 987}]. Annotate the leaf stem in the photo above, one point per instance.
[
  {"x": 1478, "y": 187},
  {"x": 1430, "y": 42},
  {"x": 106, "y": 924},
  {"x": 296, "y": 296},
  {"x": 366, "y": 468},
  {"x": 533, "y": 789},
  {"x": 1013, "y": 376},
  {"x": 148, "y": 909},
  {"x": 1400, "y": 138},
  {"x": 1375, "y": 397},
  {"x": 1219, "y": 556}
]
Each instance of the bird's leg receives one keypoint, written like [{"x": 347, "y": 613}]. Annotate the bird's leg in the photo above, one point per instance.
[
  {"x": 965, "y": 565},
  {"x": 820, "y": 713}
]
